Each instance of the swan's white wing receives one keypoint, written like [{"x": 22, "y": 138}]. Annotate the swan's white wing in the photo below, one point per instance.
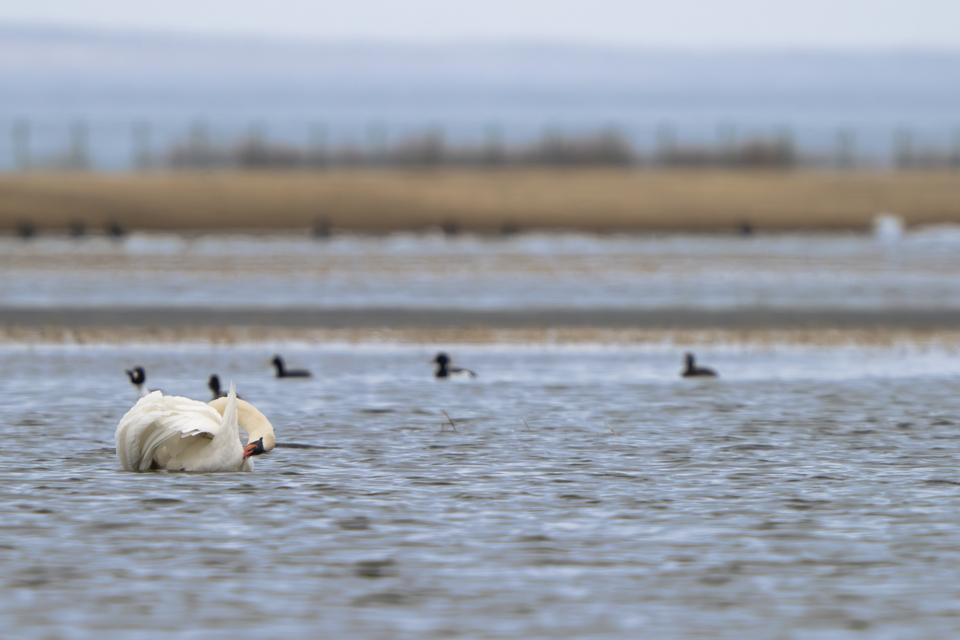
[{"x": 151, "y": 430}]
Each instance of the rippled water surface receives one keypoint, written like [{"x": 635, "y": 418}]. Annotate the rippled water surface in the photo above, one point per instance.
[
  {"x": 527, "y": 270},
  {"x": 807, "y": 493}
]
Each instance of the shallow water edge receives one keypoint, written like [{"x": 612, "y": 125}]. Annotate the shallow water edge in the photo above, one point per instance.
[{"x": 946, "y": 340}]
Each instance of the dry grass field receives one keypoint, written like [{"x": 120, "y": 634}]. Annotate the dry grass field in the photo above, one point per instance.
[{"x": 370, "y": 200}]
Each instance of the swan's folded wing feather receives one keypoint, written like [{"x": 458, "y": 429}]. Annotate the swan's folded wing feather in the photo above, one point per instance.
[{"x": 148, "y": 431}]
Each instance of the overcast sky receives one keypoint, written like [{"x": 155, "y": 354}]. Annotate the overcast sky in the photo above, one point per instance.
[{"x": 645, "y": 23}]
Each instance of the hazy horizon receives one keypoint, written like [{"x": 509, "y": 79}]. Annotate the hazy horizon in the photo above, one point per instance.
[
  {"x": 110, "y": 32},
  {"x": 821, "y": 24},
  {"x": 53, "y": 78}
]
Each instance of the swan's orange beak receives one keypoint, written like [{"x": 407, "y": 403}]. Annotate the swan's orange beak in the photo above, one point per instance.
[{"x": 253, "y": 449}]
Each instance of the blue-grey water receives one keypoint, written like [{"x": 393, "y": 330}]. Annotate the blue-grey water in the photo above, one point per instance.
[
  {"x": 584, "y": 489},
  {"x": 808, "y": 493},
  {"x": 850, "y": 271}
]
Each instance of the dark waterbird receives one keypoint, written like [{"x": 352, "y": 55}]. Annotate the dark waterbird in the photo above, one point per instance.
[
  {"x": 283, "y": 372},
  {"x": 446, "y": 370},
  {"x": 213, "y": 383},
  {"x": 138, "y": 378},
  {"x": 693, "y": 371}
]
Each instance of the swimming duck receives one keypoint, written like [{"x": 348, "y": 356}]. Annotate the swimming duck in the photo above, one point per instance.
[
  {"x": 213, "y": 383},
  {"x": 283, "y": 372},
  {"x": 138, "y": 378},
  {"x": 180, "y": 434},
  {"x": 693, "y": 371},
  {"x": 445, "y": 370}
]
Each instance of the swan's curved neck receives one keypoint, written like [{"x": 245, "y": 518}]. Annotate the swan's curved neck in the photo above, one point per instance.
[{"x": 252, "y": 421}]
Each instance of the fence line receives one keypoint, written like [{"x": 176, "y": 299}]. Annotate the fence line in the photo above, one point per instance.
[{"x": 37, "y": 146}]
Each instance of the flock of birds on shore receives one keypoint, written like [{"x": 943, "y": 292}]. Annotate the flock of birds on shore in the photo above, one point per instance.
[{"x": 180, "y": 434}]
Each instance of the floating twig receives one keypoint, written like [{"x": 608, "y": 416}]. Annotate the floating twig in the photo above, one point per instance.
[
  {"x": 611, "y": 428},
  {"x": 525, "y": 423},
  {"x": 452, "y": 426}
]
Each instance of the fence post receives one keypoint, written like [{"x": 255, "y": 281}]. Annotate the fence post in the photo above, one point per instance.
[
  {"x": 376, "y": 143},
  {"x": 903, "y": 149},
  {"x": 726, "y": 143},
  {"x": 846, "y": 151},
  {"x": 435, "y": 146},
  {"x": 317, "y": 145},
  {"x": 493, "y": 151},
  {"x": 551, "y": 145},
  {"x": 20, "y": 136},
  {"x": 79, "y": 157},
  {"x": 140, "y": 155},
  {"x": 786, "y": 146},
  {"x": 255, "y": 152},
  {"x": 666, "y": 143},
  {"x": 198, "y": 154},
  {"x": 955, "y": 152}
]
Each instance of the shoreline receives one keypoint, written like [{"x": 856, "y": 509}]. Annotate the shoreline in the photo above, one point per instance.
[
  {"x": 439, "y": 318},
  {"x": 474, "y": 200},
  {"x": 944, "y": 340},
  {"x": 758, "y": 327}
]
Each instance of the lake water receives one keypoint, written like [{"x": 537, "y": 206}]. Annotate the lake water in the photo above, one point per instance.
[
  {"x": 587, "y": 491},
  {"x": 852, "y": 271}
]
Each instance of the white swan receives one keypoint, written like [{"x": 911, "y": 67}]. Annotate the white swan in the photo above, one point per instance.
[{"x": 180, "y": 434}]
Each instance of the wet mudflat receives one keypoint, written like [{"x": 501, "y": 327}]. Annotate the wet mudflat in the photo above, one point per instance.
[{"x": 808, "y": 493}]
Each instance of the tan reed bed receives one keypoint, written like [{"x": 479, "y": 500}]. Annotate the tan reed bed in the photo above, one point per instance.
[{"x": 369, "y": 200}]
